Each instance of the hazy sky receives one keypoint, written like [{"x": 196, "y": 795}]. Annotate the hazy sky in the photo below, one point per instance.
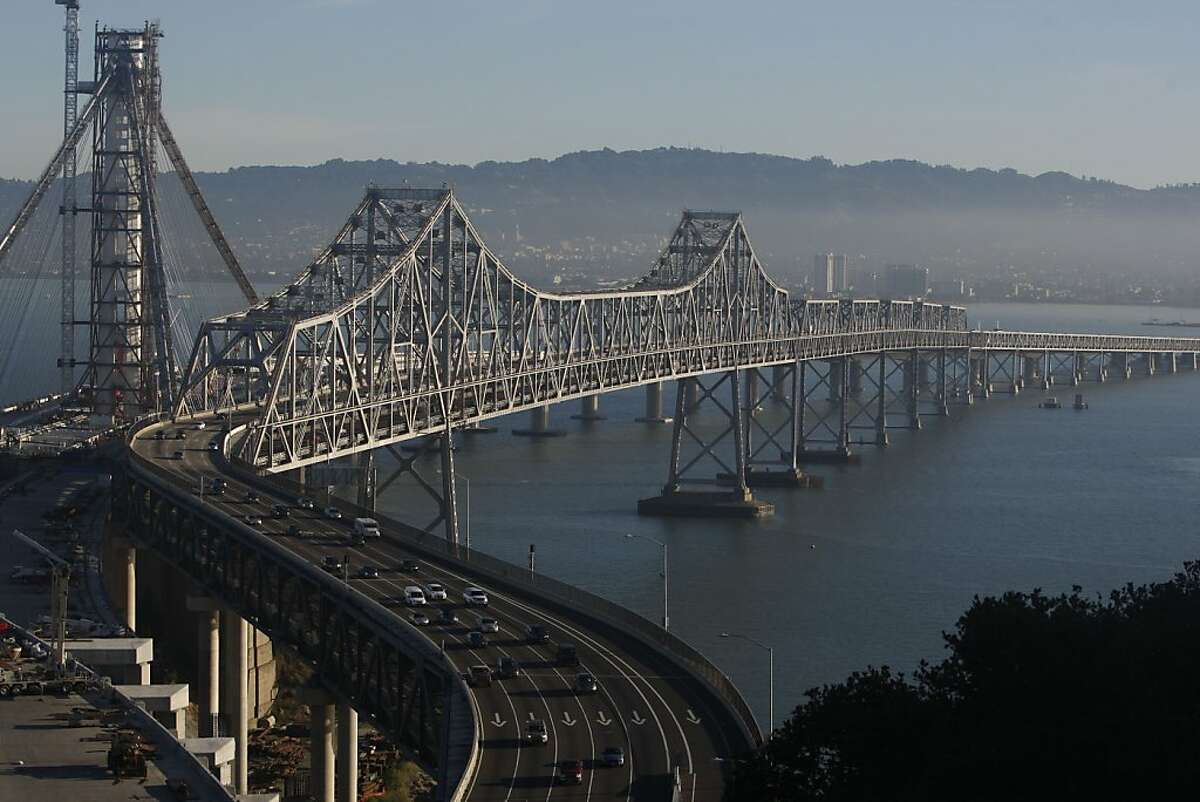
[{"x": 1097, "y": 88}]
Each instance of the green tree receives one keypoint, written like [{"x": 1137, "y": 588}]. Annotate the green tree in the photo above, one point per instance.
[{"x": 1063, "y": 697}]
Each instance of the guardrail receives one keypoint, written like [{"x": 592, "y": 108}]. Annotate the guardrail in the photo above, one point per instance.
[
  {"x": 559, "y": 594},
  {"x": 161, "y": 735},
  {"x": 1053, "y": 341},
  {"x": 372, "y": 614}
]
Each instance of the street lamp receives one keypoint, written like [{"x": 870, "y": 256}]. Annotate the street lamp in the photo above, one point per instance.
[
  {"x": 771, "y": 681},
  {"x": 666, "y": 618}
]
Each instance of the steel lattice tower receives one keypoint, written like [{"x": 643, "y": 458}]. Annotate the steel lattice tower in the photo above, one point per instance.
[{"x": 66, "y": 361}]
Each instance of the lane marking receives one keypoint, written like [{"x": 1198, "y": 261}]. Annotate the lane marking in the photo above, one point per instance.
[
  {"x": 497, "y": 721},
  {"x": 604, "y": 652},
  {"x": 602, "y": 719},
  {"x": 637, "y": 719},
  {"x": 570, "y": 722},
  {"x": 692, "y": 717}
]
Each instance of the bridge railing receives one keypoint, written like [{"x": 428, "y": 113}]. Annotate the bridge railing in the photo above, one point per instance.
[
  {"x": 349, "y": 602},
  {"x": 561, "y": 595},
  {"x": 1054, "y": 341}
]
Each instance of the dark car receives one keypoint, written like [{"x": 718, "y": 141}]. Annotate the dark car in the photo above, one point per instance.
[
  {"x": 280, "y": 511},
  {"x": 613, "y": 756},
  {"x": 536, "y": 633},
  {"x": 571, "y": 772},
  {"x": 305, "y": 503},
  {"x": 448, "y": 616},
  {"x": 476, "y": 639},
  {"x": 412, "y": 566},
  {"x": 160, "y": 435},
  {"x": 369, "y": 572},
  {"x": 331, "y": 563},
  {"x": 253, "y": 520},
  {"x": 506, "y": 667},
  {"x": 179, "y": 435},
  {"x": 251, "y": 496},
  {"x": 178, "y": 455},
  {"x": 585, "y": 682},
  {"x": 295, "y": 531}
]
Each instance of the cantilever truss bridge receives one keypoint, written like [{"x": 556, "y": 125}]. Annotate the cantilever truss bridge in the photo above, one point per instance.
[{"x": 407, "y": 325}]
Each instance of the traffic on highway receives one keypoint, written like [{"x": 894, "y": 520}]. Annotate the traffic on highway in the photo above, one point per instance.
[{"x": 567, "y": 712}]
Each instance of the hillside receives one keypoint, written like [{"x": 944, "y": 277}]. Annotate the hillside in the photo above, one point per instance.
[{"x": 598, "y": 215}]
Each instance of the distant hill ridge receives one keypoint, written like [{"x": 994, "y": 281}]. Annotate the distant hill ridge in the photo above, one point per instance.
[{"x": 625, "y": 202}]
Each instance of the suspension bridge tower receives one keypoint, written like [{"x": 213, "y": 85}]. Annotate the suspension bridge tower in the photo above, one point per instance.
[{"x": 131, "y": 363}]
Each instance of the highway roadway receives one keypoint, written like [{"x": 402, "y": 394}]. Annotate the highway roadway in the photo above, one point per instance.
[{"x": 660, "y": 717}]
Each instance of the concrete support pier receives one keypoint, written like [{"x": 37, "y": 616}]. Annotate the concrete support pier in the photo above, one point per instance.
[
  {"x": 321, "y": 728},
  {"x": 654, "y": 405},
  {"x": 347, "y": 754},
  {"x": 235, "y": 700},
  {"x": 539, "y": 424},
  {"x": 130, "y": 555},
  {"x": 589, "y": 408},
  {"x": 208, "y": 700}
]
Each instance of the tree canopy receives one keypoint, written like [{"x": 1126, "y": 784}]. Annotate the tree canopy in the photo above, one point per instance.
[{"x": 1057, "y": 697}]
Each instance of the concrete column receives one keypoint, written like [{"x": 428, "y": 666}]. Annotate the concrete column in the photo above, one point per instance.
[
  {"x": 654, "y": 404},
  {"x": 589, "y": 408},
  {"x": 347, "y": 754},
  {"x": 235, "y": 701},
  {"x": 1150, "y": 366},
  {"x": 321, "y": 728},
  {"x": 210, "y": 673},
  {"x": 753, "y": 402},
  {"x": 539, "y": 424},
  {"x": 1172, "y": 363},
  {"x": 130, "y": 587}
]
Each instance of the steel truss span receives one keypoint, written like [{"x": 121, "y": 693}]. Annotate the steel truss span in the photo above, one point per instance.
[{"x": 407, "y": 324}]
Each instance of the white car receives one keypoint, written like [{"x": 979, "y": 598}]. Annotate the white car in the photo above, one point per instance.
[
  {"x": 333, "y": 513},
  {"x": 435, "y": 591},
  {"x": 489, "y": 625},
  {"x": 475, "y": 597},
  {"x": 414, "y": 596}
]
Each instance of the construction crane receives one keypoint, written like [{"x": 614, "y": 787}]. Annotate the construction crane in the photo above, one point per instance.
[
  {"x": 60, "y": 582},
  {"x": 68, "y": 209}
]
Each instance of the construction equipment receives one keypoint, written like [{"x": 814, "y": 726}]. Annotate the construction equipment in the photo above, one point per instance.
[
  {"x": 127, "y": 755},
  {"x": 60, "y": 582}
]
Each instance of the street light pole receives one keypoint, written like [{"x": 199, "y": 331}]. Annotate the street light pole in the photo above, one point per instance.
[
  {"x": 666, "y": 617},
  {"x": 771, "y": 675}
]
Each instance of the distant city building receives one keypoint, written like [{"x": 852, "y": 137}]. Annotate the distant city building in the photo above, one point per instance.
[
  {"x": 948, "y": 289},
  {"x": 822, "y": 274},
  {"x": 906, "y": 281},
  {"x": 841, "y": 273},
  {"x": 831, "y": 274}
]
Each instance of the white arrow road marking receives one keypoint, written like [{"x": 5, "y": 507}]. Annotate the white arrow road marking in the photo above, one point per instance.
[
  {"x": 692, "y": 717},
  {"x": 637, "y": 719},
  {"x": 570, "y": 722},
  {"x": 531, "y": 715},
  {"x": 602, "y": 719},
  {"x": 497, "y": 721}
]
